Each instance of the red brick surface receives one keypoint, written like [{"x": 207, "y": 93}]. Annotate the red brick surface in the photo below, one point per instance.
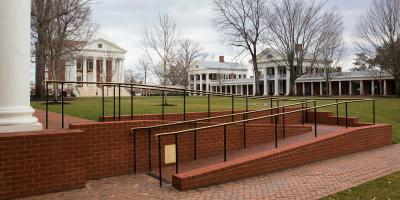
[{"x": 41, "y": 162}]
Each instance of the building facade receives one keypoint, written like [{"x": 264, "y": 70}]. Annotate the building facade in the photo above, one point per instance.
[
  {"x": 100, "y": 60},
  {"x": 275, "y": 79}
]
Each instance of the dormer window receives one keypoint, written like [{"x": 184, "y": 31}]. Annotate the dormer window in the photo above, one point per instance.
[{"x": 99, "y": 45}]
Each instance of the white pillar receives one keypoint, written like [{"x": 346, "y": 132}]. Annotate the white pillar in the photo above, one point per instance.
[
  {"x": 330, "y": 87},
  {"x": 361, "y": 88},
  {"x": 236, "y": 89},
  {"x": 188, "y": 78},
  {"x": 350, "y": 88},
  {"x": 121, "y": 70},
  {"x": 201, "y": 82},
  {"x": 15, "y": 109},
  {"x": 265, "y": 82},
  {"x": 84, "y": 70},
  {"x": 384, "y": 88},
  {"x": 74, "y": 67},
  {"x": 207, "y": 82},
  {"x": 113, "y": 70},
  {"x": 104, "y": 69},
  {"x": 241, "y": 89},
  {"x": 312, "y": 88},
  {"x": 287, "y": 82},
  {"x": 247, "y": 90},
  {"x": 372, "y": 87},
  {"x": 276, "y": 81},
  {"x": 254, "y": 88},
  {"x": 340, "y": 88},
  {"x": 194, "y": 81},
  {"x": 304, "y": 89},
  {"x": 321, "y": 90},
  {"x": 94, "y": 71}
]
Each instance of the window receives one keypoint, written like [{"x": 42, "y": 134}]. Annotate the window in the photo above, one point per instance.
[
  {"x": 99, "y": 45},
  {"x": 90, "y": 65}
]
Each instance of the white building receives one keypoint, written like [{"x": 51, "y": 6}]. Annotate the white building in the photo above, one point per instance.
[
  {"x": 275, "y": 79},
  {"x": 100, "y": 60}
]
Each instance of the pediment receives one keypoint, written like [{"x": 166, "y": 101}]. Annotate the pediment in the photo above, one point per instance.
[{"x": 101, "y": 44}]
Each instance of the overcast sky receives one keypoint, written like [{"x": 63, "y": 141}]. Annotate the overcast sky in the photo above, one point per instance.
[{"x": 123, "y": 21}]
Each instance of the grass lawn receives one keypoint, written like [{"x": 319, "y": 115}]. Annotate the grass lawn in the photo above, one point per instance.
[{"x": 387, "y": 187}]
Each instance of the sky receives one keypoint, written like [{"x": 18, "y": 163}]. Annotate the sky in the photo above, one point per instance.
[{"x": 123, "y": 22}]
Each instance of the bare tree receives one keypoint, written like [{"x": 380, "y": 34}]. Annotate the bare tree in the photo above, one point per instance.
[
  {"x": 144, "y": 66},
  {"x": 159, "y": 43},
  {"x": 187, "y": 53},
  {"x": 131, "y": 76},
  {"x": 378, "y": 36},
  {"x": 372, "y": 66},
  {"x": 294, "y": 30},
  {"x": 241, "y": 23},
  {"x": 331, "y": 46},
  {"x": 60, "y": 28}
]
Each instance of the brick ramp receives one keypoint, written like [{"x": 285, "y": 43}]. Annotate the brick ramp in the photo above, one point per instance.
[{"x": 332, "y": 143}]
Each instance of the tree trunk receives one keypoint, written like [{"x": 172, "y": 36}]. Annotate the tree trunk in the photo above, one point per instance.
[
  {"x": 292, "y": 78},
  {"x": 256, "y": 76},
  {"x": 397, "y": 83},
  {"x": 40, "y": 67}
]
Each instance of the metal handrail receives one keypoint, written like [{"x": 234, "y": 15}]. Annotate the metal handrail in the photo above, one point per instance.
[{"x": 176, "y": 133}]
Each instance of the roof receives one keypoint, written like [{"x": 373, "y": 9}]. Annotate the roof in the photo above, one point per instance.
[{"x": 220, "y": 65}]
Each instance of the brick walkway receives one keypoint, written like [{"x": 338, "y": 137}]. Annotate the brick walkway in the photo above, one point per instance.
[
  {"x": 310, "y": 181},
  {"x": 55, "y": 119}
]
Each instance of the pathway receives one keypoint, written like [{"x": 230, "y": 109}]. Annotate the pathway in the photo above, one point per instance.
[{"x": 55, "y": 119}]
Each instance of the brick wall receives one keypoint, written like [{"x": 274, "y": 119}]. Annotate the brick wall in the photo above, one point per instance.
[
  {"x": 323, "y": 147},
  {"x": 41, "y": 162}
]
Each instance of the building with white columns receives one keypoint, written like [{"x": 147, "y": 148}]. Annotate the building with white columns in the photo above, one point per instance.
[
  {"x": 275, "y": 79},
  {"x": 100, "y": 60}
]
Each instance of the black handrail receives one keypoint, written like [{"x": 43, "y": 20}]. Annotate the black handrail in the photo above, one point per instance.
[{"x": 314, "y": 108}]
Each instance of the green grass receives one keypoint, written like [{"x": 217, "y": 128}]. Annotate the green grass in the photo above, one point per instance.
[
  {"x": 387, "y": 109},
  {"x": 387, "y": 187}
]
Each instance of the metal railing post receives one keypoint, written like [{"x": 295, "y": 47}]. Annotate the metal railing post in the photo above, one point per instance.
[
  {"x": 337, "y": 112},
  {"x": 315, "y": 119},
  {"x": 373, "y": 111},
  {"x": 244, "y": 131},
  {"x": 306, "y": 111},
  {"x": 224, "y": 143},
  {"x": 114, "y": 102},
  {"x": 176, "y": 154},
  {"x": 247, "y": 107},
  {"x": 272, "y": 110},
  {"x": 131, "y": 102},
  {"x": 276, "y": 131},
  {"x": 102, "y": 101},
  {"x": 346, "y": 115},
  {"x": 159, "y": 160},
  {"x": 62, "y": 105},
  {"x": 119, "y": 102},
  {"x": 233, "y": 107},
  {"x": 302, "y": 112},
  {"x": 209, "y": 106},
  {"x": 149, "y": 147},
  {"x": 195, "y": 141},
  {"x": 162, "y": 105},
  {"x": 283, "y": 122},
  {"x": 47, "y": 105},
  {"x": 184, "y": 105}
]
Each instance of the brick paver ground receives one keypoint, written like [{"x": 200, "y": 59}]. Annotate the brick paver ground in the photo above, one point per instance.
[
  {"x": 310, "y": 181},
  {"x": 55, "y": 119}
]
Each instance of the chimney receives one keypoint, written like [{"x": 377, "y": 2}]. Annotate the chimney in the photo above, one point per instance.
[{"x": 221, "y": 59}]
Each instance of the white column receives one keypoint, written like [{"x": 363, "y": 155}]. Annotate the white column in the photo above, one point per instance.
[
  {"x": 104, "y": 69},
  {"x": 241, "y": 89},
  {"x": 236, "y": 89},
  {"x": 340, "y": 88},
  {"x": 330, "y": 87},
  {"x": 207, "y": 82},
  {"x": 321, "y": 90},
  {"x": 312, "y": 88},
  {"x": 94, "y": 77},
  {"x": 384, "y": 88},
  {"x": 372, "y": 87},
  {"x": 361, "y": 87},
  {"x": 201, "y": 82},
  {"x": 276, "y": 81},
  {"x": 74, "y": 67},
  {"x": 350, "y": 88},
  {"x": 15, "y": 26},
  {"x": 247, "y": 90},
  {"x": 254, "y": 88},
  {"x": 304, "y": 89},
  {"x": 113, "y": 70},
  {"x": 121, "y": 70},
  {"x": 265, "y": 82},
  {"x": 84, "y": 70},
  {"x": 188, "y": 78},
  {"x": 287, "y": 82},
  {"x": 194, "y": 81},
  {"x": 231, "y": 89}
]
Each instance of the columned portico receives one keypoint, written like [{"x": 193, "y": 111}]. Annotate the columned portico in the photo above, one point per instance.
[{"x": 15, "y": 109}]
